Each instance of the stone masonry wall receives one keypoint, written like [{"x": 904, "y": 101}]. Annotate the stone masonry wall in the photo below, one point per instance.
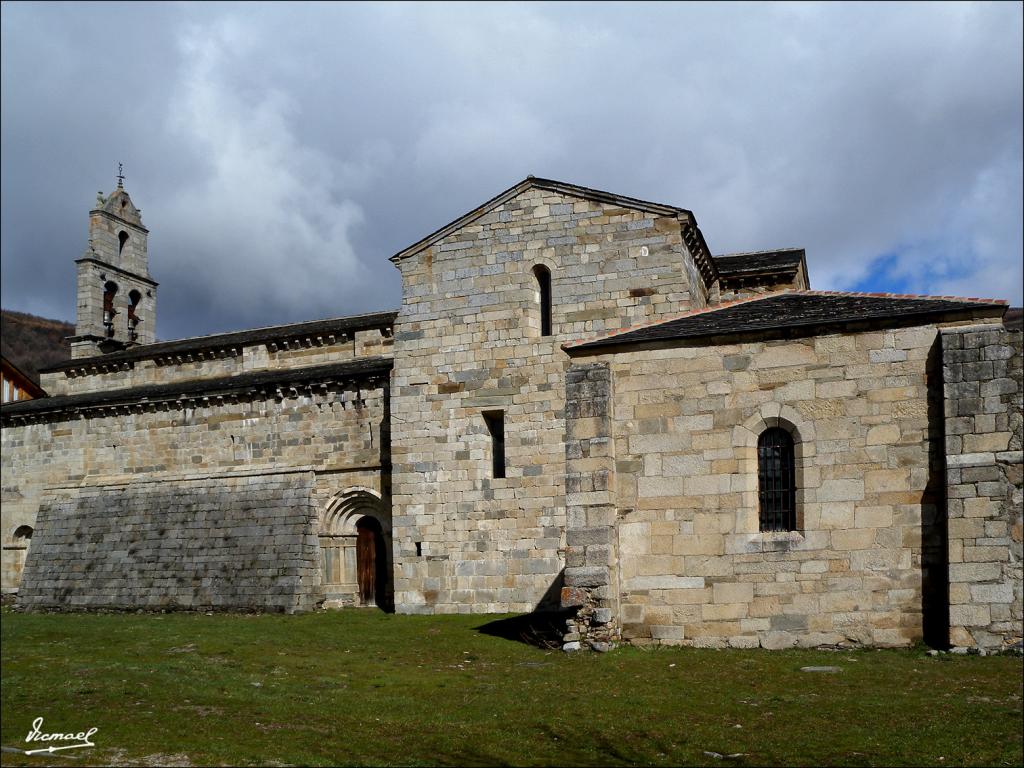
[
  {"x": 467, "y": 340},
  {"x": 218, "y": 543},
  {"x": 982, "y": 373},
  {"x": 693, "y": 566},
  {"x": 591, "y": 574},
  {"x": 340, "y": 432}
]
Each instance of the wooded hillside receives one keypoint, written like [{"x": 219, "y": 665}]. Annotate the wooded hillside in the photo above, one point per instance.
[{"x": 32, "y": 342}]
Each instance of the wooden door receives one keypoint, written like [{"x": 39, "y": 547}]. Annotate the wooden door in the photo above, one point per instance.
[{"x": 366, "y": 560}]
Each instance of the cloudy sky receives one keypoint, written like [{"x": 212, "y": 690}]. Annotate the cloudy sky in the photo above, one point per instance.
[{"x": 281, "y": 153}]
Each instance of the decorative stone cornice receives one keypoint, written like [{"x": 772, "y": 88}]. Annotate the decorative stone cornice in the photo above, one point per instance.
[
  {"x": 318, "y": 382},
  {"x": 699, "y": 252},
  {"x": 119, "y": 270},
  {"x": 221, "y": 345}
]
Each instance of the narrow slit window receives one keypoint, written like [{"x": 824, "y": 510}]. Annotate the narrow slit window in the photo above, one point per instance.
[
  {"x": 496, "y": 426},
  {"x": 122, "y": 240},
  {"x": 543, "y": 276},
  {"x": 776, "y": 480}
]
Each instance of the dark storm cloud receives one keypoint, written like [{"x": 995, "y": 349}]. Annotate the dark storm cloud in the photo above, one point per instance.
[{"x": 281, "y": 153}]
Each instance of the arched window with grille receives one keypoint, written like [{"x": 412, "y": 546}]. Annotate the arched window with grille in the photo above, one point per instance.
[{"x": 776, "y": 480}]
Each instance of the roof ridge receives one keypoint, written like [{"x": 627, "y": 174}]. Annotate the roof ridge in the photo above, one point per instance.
[
  {"x": 883, "y": 295},
  {"x": 773, "y": 295},
  {"x": 271, "y": 327},
  {"x": 738, "y": 254},
  {"x": 680, "y": 316}
]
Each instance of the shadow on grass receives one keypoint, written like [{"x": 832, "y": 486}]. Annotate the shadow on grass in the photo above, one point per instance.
[{"x": 541, "y": 629}]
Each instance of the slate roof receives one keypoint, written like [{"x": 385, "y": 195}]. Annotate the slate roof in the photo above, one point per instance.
[
  {"x": 733, "y": 265},
  {"x": 807, "y": 310},
  {"x": 268, "y": 335},
  {"x": 353, "y": 370}
]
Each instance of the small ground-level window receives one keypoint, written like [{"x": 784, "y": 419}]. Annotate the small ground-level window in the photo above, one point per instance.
[
  {"x": 495, "y": 421},
  {"x": 776, "y": 480}
]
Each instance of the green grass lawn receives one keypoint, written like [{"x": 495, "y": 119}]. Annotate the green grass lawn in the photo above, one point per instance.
[{"x": 365, "y": 688}]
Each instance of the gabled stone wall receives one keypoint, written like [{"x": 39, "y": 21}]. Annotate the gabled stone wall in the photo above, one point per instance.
[
  {"x": 982, "y": 373},
  {"x": 467, "y": 340}
]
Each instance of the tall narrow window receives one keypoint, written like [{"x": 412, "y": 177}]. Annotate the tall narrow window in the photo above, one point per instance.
[
  {"x": 134, "y": 297},
  {"x": 496, "y": 426},
  {"x": 109, "y": 291},
  {"x": 776, "y": 479},
  {"x": 122, "y": 240},
  {"x": 543, "y": 276}
]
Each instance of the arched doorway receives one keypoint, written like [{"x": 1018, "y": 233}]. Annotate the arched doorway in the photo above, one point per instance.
[
  {"x": 21, "y": 539},
  {"x": 355, "y": 551},
  {"x": 371, "y": 562}
]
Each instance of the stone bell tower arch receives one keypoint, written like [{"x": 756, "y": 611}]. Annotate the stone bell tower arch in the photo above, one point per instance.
[{"x": 116, "y": 305}]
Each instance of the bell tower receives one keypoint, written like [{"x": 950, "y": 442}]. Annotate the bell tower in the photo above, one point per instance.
[{"x": 116, "y": 295}]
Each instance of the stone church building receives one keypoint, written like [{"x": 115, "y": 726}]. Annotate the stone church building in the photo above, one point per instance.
[{"x": 576, "y": 406}]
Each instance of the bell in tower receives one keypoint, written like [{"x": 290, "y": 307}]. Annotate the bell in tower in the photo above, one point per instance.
[{"x": 116, "y": 295}]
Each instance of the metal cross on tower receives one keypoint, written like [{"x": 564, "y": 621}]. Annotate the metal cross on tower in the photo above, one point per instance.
[{"x": 120, "y": 176}]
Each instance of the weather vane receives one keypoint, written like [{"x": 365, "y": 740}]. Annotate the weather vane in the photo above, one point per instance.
[{"x": 120, "y": 175}]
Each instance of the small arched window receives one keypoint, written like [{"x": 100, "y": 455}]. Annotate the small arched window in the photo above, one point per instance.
[
  {"x": 23, "y": 535},
  {"x": 134, "y": 297},
  {"x": 122, "y": 239},
  {"x": 543, "y": 275},
  {"x": 776, "y": 480},
  {"x": 109, "y": 291}
]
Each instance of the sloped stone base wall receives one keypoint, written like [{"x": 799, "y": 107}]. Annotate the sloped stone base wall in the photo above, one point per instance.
[{"x": 222, "y": 543}]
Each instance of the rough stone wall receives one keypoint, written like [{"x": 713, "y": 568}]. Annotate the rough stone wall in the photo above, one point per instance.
[
  {"x": 982, "y": 375},
  {"x": 339, "y": 432},
  {"x": 694, "y": 567},
  {"x": 216, "y": 543},
  {"x": 467, "y": 340},
  {"x": 591, "y": 577}
]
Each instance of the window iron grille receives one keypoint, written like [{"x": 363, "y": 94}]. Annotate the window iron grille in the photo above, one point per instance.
[{"x": 776, "y": 478}]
